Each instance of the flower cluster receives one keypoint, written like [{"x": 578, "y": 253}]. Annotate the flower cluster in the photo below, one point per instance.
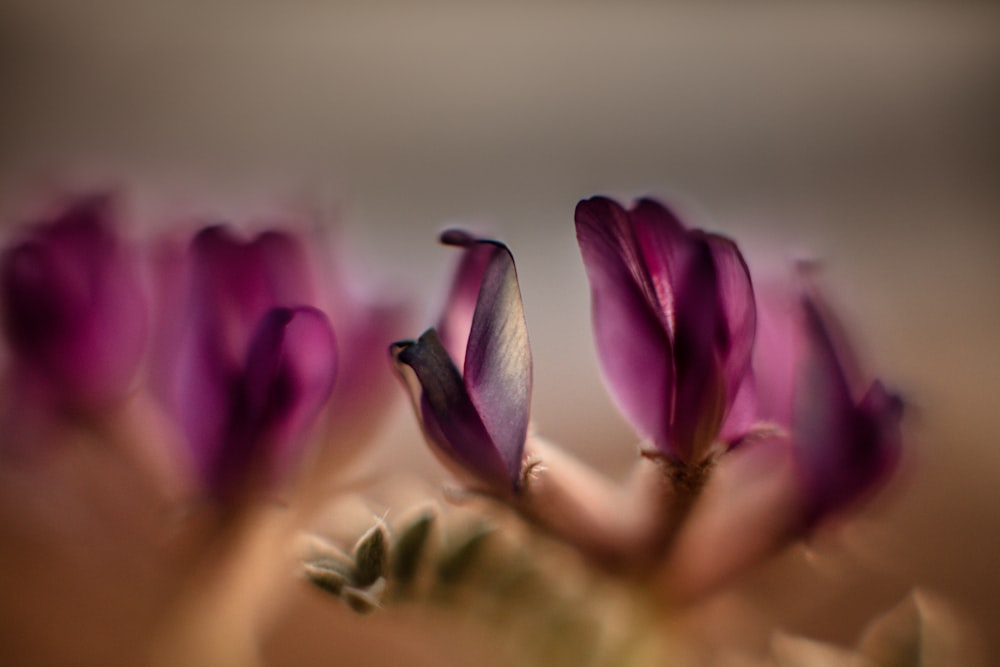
[
  {"x": 234, "y": 337},
  {"x": 710, "y": 373},
  {"x": 248, "y": 356},
  {"x": 476, "y": 417},
  {"x": 74, "y": 313}
]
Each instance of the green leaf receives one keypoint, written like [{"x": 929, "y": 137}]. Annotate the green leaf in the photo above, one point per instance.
[
  {"x": 457, "y": 562},
  {"x": 370, "y": 556},
  {"x": 409, "y": 549},
  {"x": 329, "y": 579}
]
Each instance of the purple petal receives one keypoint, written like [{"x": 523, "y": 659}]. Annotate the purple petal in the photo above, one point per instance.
[
  {"x": 456, "y": 320},
  {"x": 884, "y": 410},
  {"x": 662, "y": 249},
  {"x": 779, "y": 345},
  {"x": 674, "y": 318},
  {"x": 843, "y": 449},
  {"x": 260, "y": 423},
  {"x": 448, "y": 415},
  {"x": 230, "y": 286},
  {"x": 700, "y": 344},
  {"x": 497, "y": 370},
  {"x": 823, "y": 416},
  {"x": 739, "y": 310},
  {"x": 287, "y": 265},
  {"x": 290, "y": 370},
  {"x": 703, "y": 287},
  {"x": 743, "y": 412},
  {"x": 205, "y": 392},
  {"x": 74, "y": 310},
  {"x": 41, "y": 305},
  {"x": 221, "y": 294},
  {"x": 235, "y": 282},
  {"x": 229, "y": 345},
  {"x": 631, "y": 334}
]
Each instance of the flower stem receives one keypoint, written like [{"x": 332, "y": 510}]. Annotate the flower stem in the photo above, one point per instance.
[
  {"x": 578, "y": 505},
  {"x": 675, "y": 488}
]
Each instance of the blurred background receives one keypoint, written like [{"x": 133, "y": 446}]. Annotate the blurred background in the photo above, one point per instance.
[{"x": 864, "y": 134}]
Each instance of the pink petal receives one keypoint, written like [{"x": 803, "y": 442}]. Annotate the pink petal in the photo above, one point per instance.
[
  {"x": 235, "y": 281},
  {"x": 290, "y": 370},
  {"x": 75, "y": 314},
  {"x": 634, "y": 346},
  {"x": 739, "y": 310},
  {"x": 843, "y": 449},
  {"x": 700, "y": 344}
]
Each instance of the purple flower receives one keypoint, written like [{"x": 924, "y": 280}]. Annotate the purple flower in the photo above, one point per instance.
[
  {"x": 819, "y": 445},
  {"x": 674, "y": 319},
  {"x": 248, "y": 364},
  {"x": 845, "y": 442},
  {"x": 476, "y": 418},
  {"x": 74, "y": 313},
  {"x": 286, "y": 379}
]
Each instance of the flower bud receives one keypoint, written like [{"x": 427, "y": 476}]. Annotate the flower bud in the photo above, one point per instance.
[
  {"x": 476, "y": 418},
  {"x": 74, "y": 313},
  {"x": 674, "y": 320},
  {"x": 251, "y": 365}
]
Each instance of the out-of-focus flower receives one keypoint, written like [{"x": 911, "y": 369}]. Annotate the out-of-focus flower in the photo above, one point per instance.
[
  {"x": 476, "y": 418},
  {"x": 674, "y": 320},
  {"x": 845, "y": 441},
  {"x": 74, "y": 313},
  {"x": 820, "y": 445},
  {"x": 251, "y": 362},
  {"x": 366, "y": 318}
]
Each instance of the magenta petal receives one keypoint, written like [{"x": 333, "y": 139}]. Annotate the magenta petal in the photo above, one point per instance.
[
  {"x": 884, "y": 410},
  {"x": 743, "y": 412},
  {"x": 700, "y": 344},
  {"x": 290, "y": 370},
  {"x": 202, "y": 391},
  {"x": 674, "y": 318},
  {"x": 631, "y": 336},
  {"x": 716, "y": 314},
  {"x": 259, "y": 418},
  {"x": 843, "y": 449},
  {"x": 779, "y": 344},
  {"x": 448, "y": 416},
  {"x": 230, "y": 284},
  {"x": 823, "y": 410},
  {"x": 235, "y": 281},
  {"x": 244, "y": 371},
  {"x": 702, "y": 286},
  {"x": 739, "y": 311},
  {"x": 662, "y": 251},
  {"x": 74, "y": 310},
  {"x": 497, "y": 369}
]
